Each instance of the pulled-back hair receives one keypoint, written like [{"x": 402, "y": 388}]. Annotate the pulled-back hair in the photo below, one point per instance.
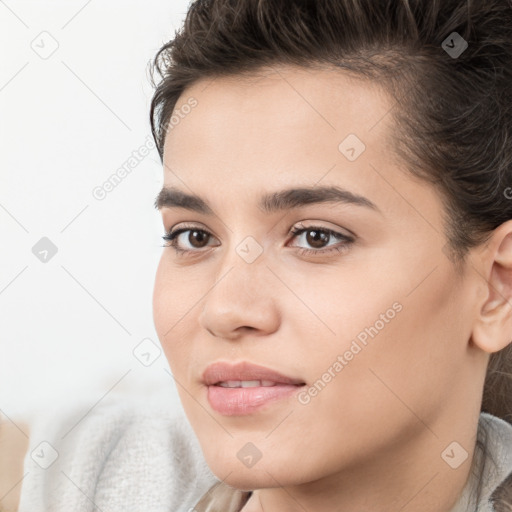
[{"x": 452, "y": 111}]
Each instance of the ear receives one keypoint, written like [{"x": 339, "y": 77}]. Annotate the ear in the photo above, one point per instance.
[{"x": 492, "y": 330}]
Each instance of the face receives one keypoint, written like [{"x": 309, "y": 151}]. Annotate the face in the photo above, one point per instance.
[{"x": 360, "y": 306}]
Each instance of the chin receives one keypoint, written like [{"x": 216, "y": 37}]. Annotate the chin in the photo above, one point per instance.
[{"x": 263, "y": 474}]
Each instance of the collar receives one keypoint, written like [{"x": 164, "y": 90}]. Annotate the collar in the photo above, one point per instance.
[{"x": 492, "y": 464}]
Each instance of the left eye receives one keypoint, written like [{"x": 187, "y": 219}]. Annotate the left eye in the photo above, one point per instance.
[{"x": 317, "y": 237}]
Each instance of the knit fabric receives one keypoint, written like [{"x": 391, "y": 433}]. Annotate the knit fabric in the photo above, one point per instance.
[
  {"x": 129, "y": 457},
  {"x": 119, "y": 457}
]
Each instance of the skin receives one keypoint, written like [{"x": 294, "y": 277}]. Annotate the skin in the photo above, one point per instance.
[{"x": 372, "y": 439}]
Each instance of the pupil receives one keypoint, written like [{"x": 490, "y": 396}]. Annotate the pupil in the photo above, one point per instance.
[
  {"x": 198, "y": 235},
  {"x": 318, "y": 238}
]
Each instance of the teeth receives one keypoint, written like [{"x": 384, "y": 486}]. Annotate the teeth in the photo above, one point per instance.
[
  {"x": 246, "y": 383},
  {"x": 230, "y": 384},
  {"x": 250, "y": 383}
]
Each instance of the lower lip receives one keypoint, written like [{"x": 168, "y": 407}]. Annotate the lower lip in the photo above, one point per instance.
[{"x": 240, "y": 401}]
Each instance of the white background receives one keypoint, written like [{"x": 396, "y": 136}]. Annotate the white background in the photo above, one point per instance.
[{"x": 68, "y": 327}]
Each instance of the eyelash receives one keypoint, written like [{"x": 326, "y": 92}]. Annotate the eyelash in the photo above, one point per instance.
[{"x": 171, "y": 237}]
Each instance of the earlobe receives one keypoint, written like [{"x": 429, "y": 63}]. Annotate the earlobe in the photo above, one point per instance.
[{"x": 493, "y": 327}]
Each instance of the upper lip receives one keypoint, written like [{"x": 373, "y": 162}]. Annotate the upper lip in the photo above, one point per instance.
[{"x": 222, "y": 371}]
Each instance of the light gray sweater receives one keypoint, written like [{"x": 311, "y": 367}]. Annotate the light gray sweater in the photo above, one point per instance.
[{"x": 127, "y": 457}]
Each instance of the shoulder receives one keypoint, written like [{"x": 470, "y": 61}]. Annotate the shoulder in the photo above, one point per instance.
[
  {"x": 114, "y": 457},
  {"x": 497, "y": 438},
  {"x": 496, "y": 434}
]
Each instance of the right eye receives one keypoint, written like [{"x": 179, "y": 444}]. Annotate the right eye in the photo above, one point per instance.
[{"x": 189, "y": 243}]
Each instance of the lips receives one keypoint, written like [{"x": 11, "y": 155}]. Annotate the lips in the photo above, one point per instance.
[
  {"x": 246, "y": 389},
  {"x": 244, "y": 374}
]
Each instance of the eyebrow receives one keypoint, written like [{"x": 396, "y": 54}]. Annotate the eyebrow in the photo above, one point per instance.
[{"x": 170, "y": 197}]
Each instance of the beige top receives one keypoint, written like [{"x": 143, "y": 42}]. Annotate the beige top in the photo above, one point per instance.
[
  {"x": 492, "y": 471},
  {"x": 222, "y": 498}
]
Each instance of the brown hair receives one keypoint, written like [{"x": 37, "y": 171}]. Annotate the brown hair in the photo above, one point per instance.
[{"x": 454, "y": 121}]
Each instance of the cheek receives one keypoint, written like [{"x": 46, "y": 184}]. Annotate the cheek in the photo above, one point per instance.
[
  {"x": 410, "y": 362},
  {"x": 162, "y": 299},
  {"x": 174, "y": 299},
  {"x": 338, "y": 305}
]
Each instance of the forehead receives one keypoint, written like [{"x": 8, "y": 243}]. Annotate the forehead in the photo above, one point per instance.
[
  {"x": 285, "y": 110},
  {"x": 278, "y": 127}
]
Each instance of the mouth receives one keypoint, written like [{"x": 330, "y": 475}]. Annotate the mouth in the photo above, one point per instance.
[{"x": 245, "y": 388}]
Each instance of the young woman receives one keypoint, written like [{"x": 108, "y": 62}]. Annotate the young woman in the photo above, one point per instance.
[
  {"x": 339, "y": 226},
  {"x": 335, "y": 294}
]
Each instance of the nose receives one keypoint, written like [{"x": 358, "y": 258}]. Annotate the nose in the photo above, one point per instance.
[{"x": 241, "y": 300}]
